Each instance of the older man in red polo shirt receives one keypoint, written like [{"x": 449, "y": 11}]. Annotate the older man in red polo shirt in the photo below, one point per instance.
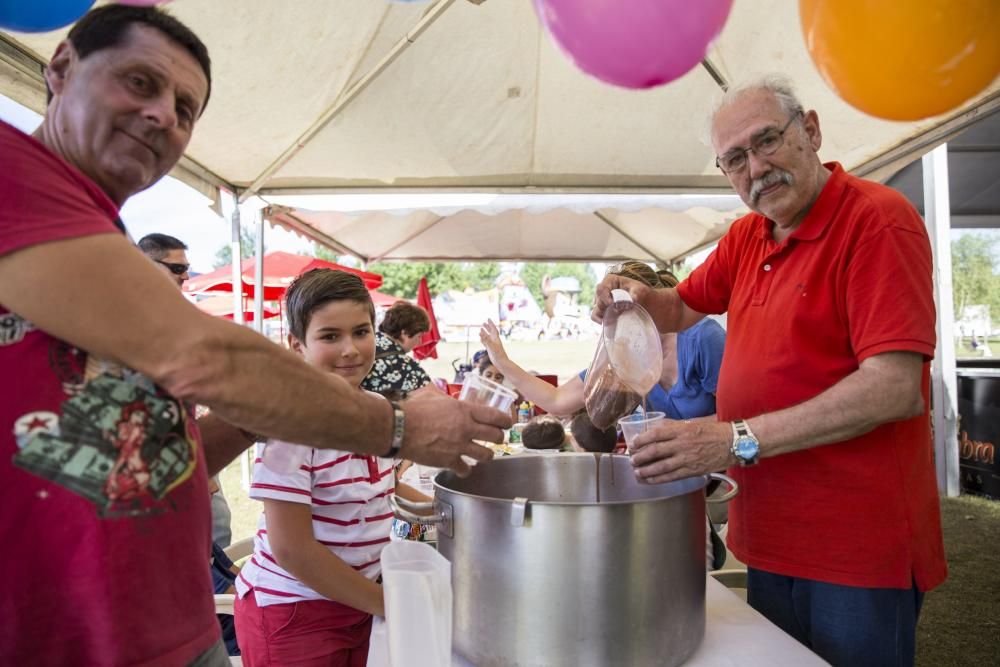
[{"x": 823, "y": 393}]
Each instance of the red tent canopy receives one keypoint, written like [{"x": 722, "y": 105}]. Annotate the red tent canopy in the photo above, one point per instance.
[
  {"x": 382, "y": 300},
  {"x": 222, "y": 306},
  {"x": 280, "y": 269}
]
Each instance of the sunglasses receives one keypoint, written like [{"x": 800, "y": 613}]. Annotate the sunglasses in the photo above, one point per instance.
[{"x": 176, "y": 269}]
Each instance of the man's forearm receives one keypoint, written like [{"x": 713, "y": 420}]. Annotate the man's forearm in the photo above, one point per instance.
[
  {"x": 122, "y": 309},
  {"x": 251, "y": 383},
  {"x": 885, "y": 388}
]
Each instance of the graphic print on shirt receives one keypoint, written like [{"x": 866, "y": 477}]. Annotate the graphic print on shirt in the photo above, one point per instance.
[
  {"x": 119, "y": 441},
  {"x": 13, "y": 328}
]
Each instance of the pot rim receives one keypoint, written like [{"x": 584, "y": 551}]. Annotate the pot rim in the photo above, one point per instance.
[{"x": 573, "y": 503}]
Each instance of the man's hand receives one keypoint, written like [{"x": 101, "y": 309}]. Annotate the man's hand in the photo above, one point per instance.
[
  {"x": 673, "y": 450},
  {"x": 440, "y": 430},
  {"x": 639, "y": 292}
]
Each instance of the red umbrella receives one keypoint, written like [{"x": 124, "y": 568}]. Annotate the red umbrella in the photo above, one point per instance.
[
  {"x": 428, "y": 343},
  {"x": 280, "y": 269},
  {"x": 222, "y": 306},
  {"x": 382, "y": 300}
]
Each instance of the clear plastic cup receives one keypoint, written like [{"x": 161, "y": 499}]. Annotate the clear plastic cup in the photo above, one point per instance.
[
  {"x": 477, "y": 389},
  {"x": 636, "y": 423}
]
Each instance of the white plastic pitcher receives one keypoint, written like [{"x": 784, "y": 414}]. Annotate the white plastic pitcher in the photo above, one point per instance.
[
  {"x": 416, "y": 580},
  {"x": 633, "y": 343}
]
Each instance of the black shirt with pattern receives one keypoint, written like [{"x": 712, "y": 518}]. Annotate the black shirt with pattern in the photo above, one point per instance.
[{"x": 395, "y": 372}]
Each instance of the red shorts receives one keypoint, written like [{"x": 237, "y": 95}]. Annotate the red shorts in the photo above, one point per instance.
[{"x": 316, "y": 632}]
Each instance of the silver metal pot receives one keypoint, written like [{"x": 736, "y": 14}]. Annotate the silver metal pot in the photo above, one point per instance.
[{"x": 544, "y": 574}]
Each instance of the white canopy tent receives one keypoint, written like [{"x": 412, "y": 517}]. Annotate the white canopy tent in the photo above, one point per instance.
[
  {"x": 574, "y": 227},
  {"x": 325, "y": 96},
  {"x": 341, "y": 95}
]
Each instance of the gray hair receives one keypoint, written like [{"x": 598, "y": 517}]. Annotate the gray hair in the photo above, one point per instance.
[{"x": 777, "y": 85}]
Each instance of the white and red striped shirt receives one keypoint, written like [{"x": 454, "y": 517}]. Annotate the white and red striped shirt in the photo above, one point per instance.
[{"x": 350, "y": 514}]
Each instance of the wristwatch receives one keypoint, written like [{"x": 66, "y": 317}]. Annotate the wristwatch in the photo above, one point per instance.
[
  {"x": 398, "y": 426},
  {"x": 746, "y": 448}
]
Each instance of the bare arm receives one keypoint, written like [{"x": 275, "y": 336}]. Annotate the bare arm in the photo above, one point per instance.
[
  {"x": 564, "y": 400},
  {"x": 885, "y": 388},
  {"x": 100, "y": 294},
  {"x": 290, "y": 534},
  {"x": 664, "y": 305}
]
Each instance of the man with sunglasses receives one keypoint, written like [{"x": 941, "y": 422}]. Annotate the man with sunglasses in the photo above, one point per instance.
[
  {"x": 823, "y": 392},
  {"x": 168, "y": 253}
]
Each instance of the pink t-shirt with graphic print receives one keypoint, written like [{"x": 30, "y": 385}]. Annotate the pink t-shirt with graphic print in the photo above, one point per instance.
[{"x": 102, "y": 474}]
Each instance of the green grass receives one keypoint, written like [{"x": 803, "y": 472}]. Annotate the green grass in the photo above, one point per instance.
[{"x": 960, "y": 620}]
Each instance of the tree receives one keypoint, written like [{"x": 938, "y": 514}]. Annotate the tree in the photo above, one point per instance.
[
  {"x": 248, "y": 244},
  {"x": 974, "y": 275},
  {"x": 402, "y": 278}
]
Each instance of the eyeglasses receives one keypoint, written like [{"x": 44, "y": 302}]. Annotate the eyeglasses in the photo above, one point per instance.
[
  {"x": 176, "y": 269},
  {"x": 766, "y": 144}
]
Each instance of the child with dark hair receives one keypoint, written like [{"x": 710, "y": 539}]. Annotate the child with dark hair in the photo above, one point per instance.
[
  {"x": 589, "y": 437},
  {"x": 308, "y": 593}
]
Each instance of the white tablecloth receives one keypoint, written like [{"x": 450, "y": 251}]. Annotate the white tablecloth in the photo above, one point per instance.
[{"x": 735, "y": 636}]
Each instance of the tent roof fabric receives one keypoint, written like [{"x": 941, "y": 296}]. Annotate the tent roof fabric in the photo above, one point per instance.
[
  {"x": 341, "y": 95},
  {"x": 661, "y": 228}
]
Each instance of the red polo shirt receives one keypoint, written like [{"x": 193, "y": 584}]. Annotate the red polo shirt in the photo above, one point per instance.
[{"x": 853, "y": 280}]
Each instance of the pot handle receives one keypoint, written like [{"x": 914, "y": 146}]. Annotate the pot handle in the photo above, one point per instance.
[
  {"x": 407, "y": 511},
  {"x": 734, "y": 488}
]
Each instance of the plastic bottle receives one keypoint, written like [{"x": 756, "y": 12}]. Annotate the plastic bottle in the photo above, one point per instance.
[
  {"x": 283, "y": 457},
  {"x": 524, "y": 413}
]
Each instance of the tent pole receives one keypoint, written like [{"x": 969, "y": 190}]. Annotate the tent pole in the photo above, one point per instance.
[
  {"x": 943, "y": 379},
  {"x": 236, "y": 255},
  {"x": 258, "y": 275}
]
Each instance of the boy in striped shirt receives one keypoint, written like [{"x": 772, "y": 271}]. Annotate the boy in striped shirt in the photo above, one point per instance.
[{"x": 308, "y": 593}]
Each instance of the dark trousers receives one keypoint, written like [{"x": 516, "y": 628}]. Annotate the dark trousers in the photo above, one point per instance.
[{"x": 845, "y": 625}]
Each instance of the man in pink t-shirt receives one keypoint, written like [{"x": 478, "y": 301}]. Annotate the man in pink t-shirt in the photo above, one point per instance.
[
  {"x": 103, "y": 469},
  {"x": 823, "y": 392}
]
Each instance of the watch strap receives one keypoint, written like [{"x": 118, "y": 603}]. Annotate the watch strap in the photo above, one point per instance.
[{"x": 398, "y": 429}]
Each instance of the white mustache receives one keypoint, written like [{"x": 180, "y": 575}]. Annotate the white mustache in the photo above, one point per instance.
[{"x": 770, "y": 178}]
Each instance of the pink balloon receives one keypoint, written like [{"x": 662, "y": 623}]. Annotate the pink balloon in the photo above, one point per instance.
[{"x": 634, "y": 43}]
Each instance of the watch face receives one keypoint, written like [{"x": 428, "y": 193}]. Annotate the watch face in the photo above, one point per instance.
[{"x": 746, "y": 448}]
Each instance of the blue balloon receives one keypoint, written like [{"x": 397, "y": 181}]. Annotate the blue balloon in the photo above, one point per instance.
[{"x": 40, "y": 15}]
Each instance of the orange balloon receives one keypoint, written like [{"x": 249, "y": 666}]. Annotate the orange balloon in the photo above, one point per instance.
[{"x": 904, "y": 59}]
